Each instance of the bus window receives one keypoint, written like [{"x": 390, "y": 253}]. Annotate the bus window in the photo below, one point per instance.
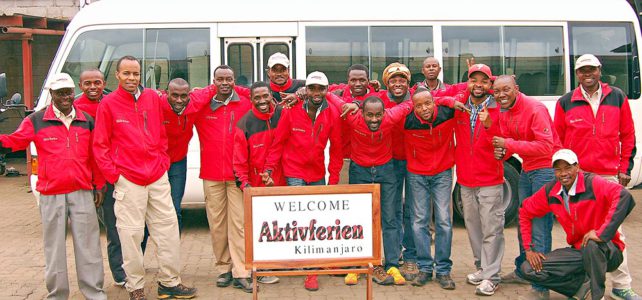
[
  {"x": 535, "y": 55},
  {"x": 614, "y": 45},
  {"x": 333, "y": 50},
  {"x": 407, "y": 45},
  {"x": 240, "y": 57},
  {"x": 463, "y": 42}
]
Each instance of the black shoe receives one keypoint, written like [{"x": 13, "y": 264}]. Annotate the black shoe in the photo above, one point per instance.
[
  {"x": 176, "y": 292},
  {"x": 446, "y": 282},
  {"x": 242, "y": 283},
  {"x": 224, "y": 280},
  {"x": 422, "y": 278}
]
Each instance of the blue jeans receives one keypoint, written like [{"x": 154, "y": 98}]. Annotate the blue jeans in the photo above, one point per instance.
[
  {"x": 405, "y": 211},
  {"x": 291, "y": 181},
  {"x": 529, "y": 183},
  {"x": 430, "y": 192},
  {"x": 177, "y": 176},
  {"x": 383, "y": 175}
]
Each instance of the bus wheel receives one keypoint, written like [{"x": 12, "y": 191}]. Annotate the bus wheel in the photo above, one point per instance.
[{"x": 510, "y": 197}]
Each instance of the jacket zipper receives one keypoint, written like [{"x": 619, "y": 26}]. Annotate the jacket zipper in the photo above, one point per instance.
[{"x": 145, "y": 120}]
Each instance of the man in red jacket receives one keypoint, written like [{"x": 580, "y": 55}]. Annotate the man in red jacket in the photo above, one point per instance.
[
  {"x": 595, "y": 121},
  {"x": 590, "y": 209},
  {"x": 130, "y": 145},
  {"x": 282, "y": 85},
  {"x": 223, "y": 198},
  {"x": 92, "y": 85},
  {"x": 67, "y": 175},
  {"x": 431, "y": 69},
  {"x": 526, "y": 130}
]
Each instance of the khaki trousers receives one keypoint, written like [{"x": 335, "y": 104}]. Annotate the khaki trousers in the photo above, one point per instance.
[
  {"x": 136, "y": 205},
  {"x": 225, "y": 215}
]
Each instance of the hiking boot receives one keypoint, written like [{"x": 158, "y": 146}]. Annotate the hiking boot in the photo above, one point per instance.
[
  {"x": 512, "y": 277},
  {"x": 409, "y": 270},
  {"x": 267, "y": 279},
  {"x": 379, "y": 276},
  {"x": 625, "y": 294},
  {"x": 536, "y": 295},
  {"x": 446, "y": 282},
  {"x": 138, "y": 294},
  {"x": 422, "y": 278},
  {"x": 396, "y": 275},
  {"x": 351, "y": 279},
  {"x": 180, "y": 291},
  {"x": 242, "y": 283},
  {"x": 224, "y": 280},
  {"x": 311, "y": 283},
  {"x": 486, "y": 288},
  {"x": 475, "y": 278}
]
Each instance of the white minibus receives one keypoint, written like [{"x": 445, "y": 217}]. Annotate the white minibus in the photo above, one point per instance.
[{"x": 537, "y": 41}]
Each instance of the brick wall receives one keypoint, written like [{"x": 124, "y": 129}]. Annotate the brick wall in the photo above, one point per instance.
[{"x": 59, "y": 9}]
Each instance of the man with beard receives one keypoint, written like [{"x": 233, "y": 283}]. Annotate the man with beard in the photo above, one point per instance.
[
  {"x": 595, "y": 121},
  {"x": 282, "y": 85}
]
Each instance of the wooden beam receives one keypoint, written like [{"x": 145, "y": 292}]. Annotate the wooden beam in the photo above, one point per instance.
[{"x": 11, "y": 21}]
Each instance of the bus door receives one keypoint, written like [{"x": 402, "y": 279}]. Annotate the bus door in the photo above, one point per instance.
[{"x": 248, "y": 56}]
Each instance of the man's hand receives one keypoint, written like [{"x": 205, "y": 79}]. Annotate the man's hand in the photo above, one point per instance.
[
  {"x": 99, "y": 197},
  {"x": 591, "y": 235},
  {"x": 623, "y": 179},
  {"x": 470, "y": 62},
  {"x": 535, "y": 259},
  {"x": 267, "y": 179},
  {"x": 484, "y": 117},
  {"x": 499, "y": 142},
  {"x": 349, "y": 108},
  {"x": 288, "y": 100},
  {"x": 499, "y": 153},
  {"x": 376, "y": 86},
  {"x": 461, "y": 107}
]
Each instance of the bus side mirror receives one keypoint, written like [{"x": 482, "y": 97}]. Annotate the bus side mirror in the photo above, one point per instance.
[{"x": 3, "y": 85}]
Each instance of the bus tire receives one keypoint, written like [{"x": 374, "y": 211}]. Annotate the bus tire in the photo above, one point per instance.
[{"x": 510, "y": 197}]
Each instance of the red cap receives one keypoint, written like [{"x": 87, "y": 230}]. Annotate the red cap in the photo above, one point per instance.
[{"x": 480, "y": 68}]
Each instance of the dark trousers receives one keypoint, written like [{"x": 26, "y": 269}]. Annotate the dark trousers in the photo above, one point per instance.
[
  {"x": 114, "y": 253},
  {"x": 564, "y": 270}
]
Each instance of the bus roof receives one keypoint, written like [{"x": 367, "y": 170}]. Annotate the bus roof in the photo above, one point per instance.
[{"x": 207, "y": 11}]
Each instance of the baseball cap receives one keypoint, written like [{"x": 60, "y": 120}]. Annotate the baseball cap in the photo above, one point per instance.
[
  {"x": 316, "y": 77},
  {"x": 480, "y": 68},
  {"x": 566, "y": 155},
  {"x": 61, "y": 81},
  {"x": 278, "y": 59},
  {"x": 587, "y": 60},
  {"x": 395, "y": 69}
]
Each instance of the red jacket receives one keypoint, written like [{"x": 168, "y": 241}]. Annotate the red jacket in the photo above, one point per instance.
[
  {"x": 430, "y": 145},
  {"x": 215, "y": 126},
  {"x": 65, "y": 160},
  {"x": 300, "y": 143},
  {"x": 83, "y": 103},
  {"x": 529, "y": 132},
  {"x": 180, "y": 128},
  {"x": 597, "y": 205},
  {"x": 253, "y": 138},
  {"x": 370, "y": 148},
  {"x": 130, "y": 138},
  {"x": 398, "y": 151},
  {"x": 604, "y": 144},
  {"x": 290, "y": 87},
  {"x": 347, "y": 97}
]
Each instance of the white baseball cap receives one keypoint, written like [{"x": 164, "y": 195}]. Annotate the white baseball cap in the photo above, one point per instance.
[
  {"x": 316, "y": 77},
  {"x": 61, "y": 81},
  {"x": 278, "y": 59},
  {"x": 566, "y": 155},
  {"x": 587, "y": 60}
]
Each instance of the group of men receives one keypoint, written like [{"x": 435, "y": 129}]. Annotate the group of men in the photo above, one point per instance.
[{"x": 129, "y": 147}]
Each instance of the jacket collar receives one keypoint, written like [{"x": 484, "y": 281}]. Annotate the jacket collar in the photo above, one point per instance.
[
  {"x": 127, "y": 95},
  {"x": 280, "y": 88},
  {"x": 50, "y": 115},
  {"x": 263, "y": 116},
  {"x": 580, "y": 187},
  {"x": 517, "y": 106},
  {"x": 578, "y": 96},
  {"x": 215, "y": 104},
  {"x": 432, "y": 119}
]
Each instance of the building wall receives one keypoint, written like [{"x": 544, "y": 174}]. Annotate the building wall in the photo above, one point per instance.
[{"x": 59, "y": 9}]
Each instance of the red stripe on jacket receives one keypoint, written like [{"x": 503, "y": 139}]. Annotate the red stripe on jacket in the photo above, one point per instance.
[
  {"x": 65, "y": 160},
  {"x": 130, "y": 138},
  {"x": 599, "y": 205},
  {"x": 605, "y": 143}
]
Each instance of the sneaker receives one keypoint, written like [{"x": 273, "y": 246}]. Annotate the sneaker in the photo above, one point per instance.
[
  {"x": 120, "y": 284},
  {"x": 446, "y": 282},
  {"x": 311, "y": 283},
  {"x": 381, "y": 277},
  {"x": 486, "y": 288},
  {"x": 396, "y": 275},
  {"x": 536, "y": 295},
  {"x": 351, "y": 279},
  {"x": 474, "y": 278},
  {"x": 409, "y": 270},
  {"x": 244, "y": 284},
  {"x": 422, "y": 278},
  {"x": 179, "y": 291},
  {"x": 224, "y": 280},
  {"x": 512, "y": 277},
  {"x": 625, "y": 294},
  {"x": 584, "y": 291},
  {"x": 268, "y": 279},
  {"x": 138, "y": 294}
]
